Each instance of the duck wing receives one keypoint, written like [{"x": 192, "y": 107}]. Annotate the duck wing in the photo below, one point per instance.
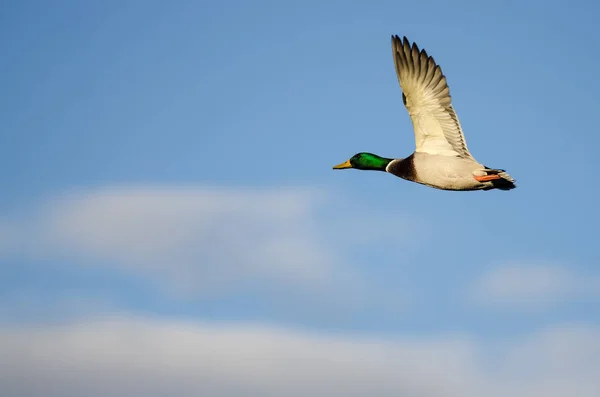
[{"x": 426, "y": 95}]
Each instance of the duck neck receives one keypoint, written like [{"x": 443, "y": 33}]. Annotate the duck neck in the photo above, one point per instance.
[{"x": 403, "y": 168}]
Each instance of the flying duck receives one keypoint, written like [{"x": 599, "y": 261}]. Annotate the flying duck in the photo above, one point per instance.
[{"x": 441, "y": 159}]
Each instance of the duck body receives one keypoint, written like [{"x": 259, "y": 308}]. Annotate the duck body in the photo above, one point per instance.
[
  {"x": 441, "y": 158},
  {"x": 449, "y": 173}
]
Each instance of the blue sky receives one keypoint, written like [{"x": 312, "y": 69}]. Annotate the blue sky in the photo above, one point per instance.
[{"x": 169, "y": 165}]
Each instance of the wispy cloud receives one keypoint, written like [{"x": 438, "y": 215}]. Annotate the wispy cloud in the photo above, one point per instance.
[
  {"x": 534, "y": 286},
  {"x": 201, "y": 240},
  {"x": 152, "y": 358}
]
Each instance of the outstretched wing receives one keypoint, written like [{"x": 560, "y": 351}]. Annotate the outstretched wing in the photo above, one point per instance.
[{"x": 426, "y": 96}]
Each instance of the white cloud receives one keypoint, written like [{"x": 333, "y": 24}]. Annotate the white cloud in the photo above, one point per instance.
[
  {"x": 154, "y": 358},
  {"x": 197, "y": 238},
  {"x": 200, "y": 240},
  {"x": 534, "y": 286}
]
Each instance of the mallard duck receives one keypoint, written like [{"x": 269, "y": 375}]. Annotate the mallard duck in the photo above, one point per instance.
[{"x": 441, "y": 159}]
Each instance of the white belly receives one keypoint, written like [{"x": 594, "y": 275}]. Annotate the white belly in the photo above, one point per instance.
[{"x": 448, "y": 173}]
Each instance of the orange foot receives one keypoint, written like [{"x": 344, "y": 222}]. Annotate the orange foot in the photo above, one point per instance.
[{"x": 487, "y": 178}]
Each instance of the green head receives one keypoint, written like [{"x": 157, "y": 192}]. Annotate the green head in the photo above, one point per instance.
[{"x": 365, "y": 161}]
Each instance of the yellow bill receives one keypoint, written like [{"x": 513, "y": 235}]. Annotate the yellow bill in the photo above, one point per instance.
[{"x": 345, "y": 164}]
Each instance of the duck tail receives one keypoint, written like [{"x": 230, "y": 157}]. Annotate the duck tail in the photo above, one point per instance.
[{"x": 505, "y": 182}]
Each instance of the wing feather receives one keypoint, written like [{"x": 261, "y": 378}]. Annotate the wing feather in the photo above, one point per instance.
[{"x": 426, "y": 96}]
